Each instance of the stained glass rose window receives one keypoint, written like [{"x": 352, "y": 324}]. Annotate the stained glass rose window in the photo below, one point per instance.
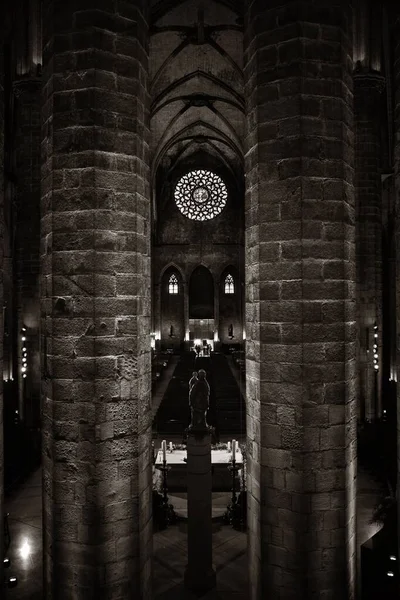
[{"x": 201, "y": 195}]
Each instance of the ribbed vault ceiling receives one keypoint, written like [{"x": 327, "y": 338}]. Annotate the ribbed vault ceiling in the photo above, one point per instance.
[{"x": 196, "y": 71}]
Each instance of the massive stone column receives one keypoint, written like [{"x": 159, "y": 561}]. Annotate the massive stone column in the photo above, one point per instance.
[
  {"x": 300, "y": 300},
  {"x": 95, "y": 259},
  {"x": 368, "y": 86}
]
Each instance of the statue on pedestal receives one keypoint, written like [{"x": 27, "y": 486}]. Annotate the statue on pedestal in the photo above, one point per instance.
[{"x": 199, "y": 400}]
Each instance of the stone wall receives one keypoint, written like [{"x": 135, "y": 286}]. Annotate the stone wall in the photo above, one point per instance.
[
  {"x": 231, "y": 308},
  {"x": 172, "y": 312}
]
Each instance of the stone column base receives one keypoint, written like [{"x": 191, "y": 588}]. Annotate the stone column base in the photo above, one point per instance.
[{"x": 198, "y": 580}]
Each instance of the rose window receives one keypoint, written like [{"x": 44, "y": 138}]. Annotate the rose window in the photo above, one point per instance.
[{"x": 201, "y": 195}]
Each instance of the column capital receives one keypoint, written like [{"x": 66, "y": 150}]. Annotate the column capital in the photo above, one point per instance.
[
  {"x": 368, "y": 80},
  {"x": 26, "y": 86}
]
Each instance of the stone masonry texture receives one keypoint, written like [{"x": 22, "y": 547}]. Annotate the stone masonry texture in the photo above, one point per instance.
[
  {"x": 300, "y": 300},
  {"x": 95, "y": 301}
]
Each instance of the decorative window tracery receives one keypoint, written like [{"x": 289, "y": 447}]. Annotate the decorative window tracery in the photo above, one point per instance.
[
  {"x": 229, "y": 284},
  {"x": 173, "y": 287},
  {"x": 201, "y": 195}
]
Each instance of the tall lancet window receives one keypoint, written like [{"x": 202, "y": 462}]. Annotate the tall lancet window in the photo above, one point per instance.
[
  {"x": 173, "y": 287},
  {"x": 229, "y": 284}
]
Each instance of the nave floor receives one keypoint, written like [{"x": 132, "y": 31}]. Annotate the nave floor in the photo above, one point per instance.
[
  {"x": 230, "y": 557},
  {"x": 25, "y": 552}
]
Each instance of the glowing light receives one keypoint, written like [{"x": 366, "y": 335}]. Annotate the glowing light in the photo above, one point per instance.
[
  {"x": 25, "y": 549},
  {"x": 24, "y": 375},
  {"x": 23, "y": 338},
  {"x": 392, "y": 557},
  {"x": 390, "y": 574},
  {"x": 375, "y": 356},
  {"x": 376, "y": 367},
  {"x": 23, "y": 329},
  {"x": 23, "y": 369},
  {"x": 375, "y": 335}
]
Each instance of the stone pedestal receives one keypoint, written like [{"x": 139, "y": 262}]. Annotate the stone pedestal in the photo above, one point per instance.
[{"x": 199, "y": 574}]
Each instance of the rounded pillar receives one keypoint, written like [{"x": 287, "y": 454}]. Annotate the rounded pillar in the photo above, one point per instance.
[
  {"x": 300, "y": 300},
  {"x": 96, "y": 319}
]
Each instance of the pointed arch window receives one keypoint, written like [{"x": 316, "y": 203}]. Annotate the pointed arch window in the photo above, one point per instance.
[
  {"x": 173, "y": 286},
  {"x": 229, "y": 284}
]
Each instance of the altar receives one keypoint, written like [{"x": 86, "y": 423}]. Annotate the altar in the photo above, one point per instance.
[{"x": 220, "y": 461}]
